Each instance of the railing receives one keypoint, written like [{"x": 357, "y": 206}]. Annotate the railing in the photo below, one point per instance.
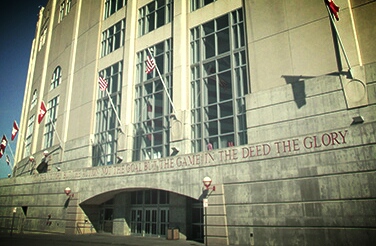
[{"x": 83, "y": 227}]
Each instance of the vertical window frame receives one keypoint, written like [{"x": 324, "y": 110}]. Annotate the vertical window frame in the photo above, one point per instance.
[
  {"x": 50, "y": 123},
  {"x": 34, "y": 99},
  {"x": 107, "y": 125},
  {"x": 61, "y": 11},
  {"x": 209, "y": 110},
  {"x": 29, "y": 135},
  {"x": 56, "y": 78},
  {"x": 113, "y": 38},
  {"x": 197, "y": 4},
  {"x": 112, "y": 6},
  {"x": 152, "y": 132},
  {"x": 149, "y": 16}
]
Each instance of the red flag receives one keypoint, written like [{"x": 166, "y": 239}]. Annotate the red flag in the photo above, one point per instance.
[
  {"x": 102, "y": 83},
  {"x": 3, "y": 144},
  {"x": 334, "y": 9},
  {"x": 14, "y": 130},
  {"x": 42, "y": 112},
  {"x": 150, "y": 64}
]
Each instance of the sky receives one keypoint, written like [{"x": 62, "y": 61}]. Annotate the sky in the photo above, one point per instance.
[{"x": 17, "y": 27}]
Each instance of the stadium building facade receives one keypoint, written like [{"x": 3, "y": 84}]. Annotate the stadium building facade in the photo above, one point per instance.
[{"x": 129, "y": 104}]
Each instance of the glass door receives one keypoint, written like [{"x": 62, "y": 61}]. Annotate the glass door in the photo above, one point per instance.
[
  {"x": 164, "y": 217},
  {"x": 150, "y": 221},
  {"x": 136, "y": 221}
]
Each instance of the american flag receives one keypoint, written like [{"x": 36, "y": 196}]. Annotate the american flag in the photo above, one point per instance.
[
  {"x": 150, "y": 64},
  {"x": 102, "y": 83}
]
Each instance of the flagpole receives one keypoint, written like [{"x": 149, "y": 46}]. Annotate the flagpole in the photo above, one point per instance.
[
  {"x": 7, "y": 160},
  {"x": 113, "y": 107},
  {"x": 10, "y": 148},
  {"x": 57, "y": 135},
  {"x": 339, "y": 39},
  {"x": 164, "y": 85}
]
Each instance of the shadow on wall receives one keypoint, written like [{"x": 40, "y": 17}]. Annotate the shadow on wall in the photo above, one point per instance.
[{"x": 298, "y": 88}]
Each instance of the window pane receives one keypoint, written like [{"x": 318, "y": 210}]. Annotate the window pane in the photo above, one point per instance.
[
  {"x": 212, "y": 112},
  {"x": 209, "y": 46},
  {"x": 227, "y": 125},
  {"x": 226, "y": 109},
  {"x": 208, "y": 28},
  {"x": 225, "y": 86},
  {"x": 161, "y": 17},
  {"x": 209, "y": 69},
  {"x": 222, "y": 22},
  {"x": 223, "y": 41},
  {"x": 224, "y": 64},
  {"x": 211, "y": 90}
]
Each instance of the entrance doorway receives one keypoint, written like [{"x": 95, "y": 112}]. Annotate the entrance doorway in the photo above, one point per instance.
[
  {"x": 106, "y": 216},
  {"x": 149, "y": 212},
  {"x": 149, "y": 221}
]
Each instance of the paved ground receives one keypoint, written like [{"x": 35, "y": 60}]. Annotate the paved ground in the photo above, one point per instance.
[{"x": 88, "y": 239}]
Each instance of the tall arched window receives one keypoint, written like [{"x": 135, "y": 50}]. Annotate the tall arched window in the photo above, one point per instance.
[
  {"x": 56, "y": 78},
  {"x": 34, "y": 99}
]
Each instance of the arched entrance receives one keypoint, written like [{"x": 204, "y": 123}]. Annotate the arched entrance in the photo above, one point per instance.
[{"x": 145, "y": 212}]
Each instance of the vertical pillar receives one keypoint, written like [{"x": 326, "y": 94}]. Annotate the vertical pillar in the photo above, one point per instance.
[
  {"x": 216, "y": 220},
  {"x": 72, "y": 214}
]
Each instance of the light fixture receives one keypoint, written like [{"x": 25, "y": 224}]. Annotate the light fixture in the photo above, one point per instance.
[
  {"x": 357, "y": 120},
  {"x": 119, "y": 159},
  {"x": 175, "y": 150},
  {"x": 68, "y": 191},
  {"x": 207, "y": 182}
]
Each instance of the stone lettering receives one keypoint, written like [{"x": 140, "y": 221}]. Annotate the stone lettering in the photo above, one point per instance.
[
  {"x": 256, "y": 150},
  {"x": 311, "y": 142},
  {"x": 326, "y": 139}
]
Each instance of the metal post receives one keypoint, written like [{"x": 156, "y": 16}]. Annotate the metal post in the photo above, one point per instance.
[
  {"x": 14, "y": 216},
  {"x": 206, "y": 226},
  {"x": 339, "y": 40},
  {"x": 163, "y": 83}
]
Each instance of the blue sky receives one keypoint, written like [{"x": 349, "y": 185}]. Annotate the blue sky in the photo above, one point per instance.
[{"x": 17, "y": 25}]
